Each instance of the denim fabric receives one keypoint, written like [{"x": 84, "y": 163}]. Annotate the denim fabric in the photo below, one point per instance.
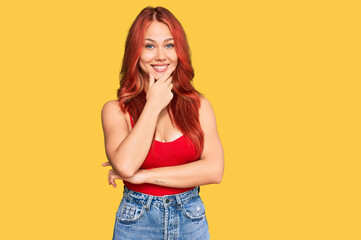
[{"x": 179, "y": 216}]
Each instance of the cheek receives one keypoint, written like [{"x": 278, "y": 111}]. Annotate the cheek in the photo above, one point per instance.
[
  {"x": 143, "y": 61},
  {"x": 174, "y": 58},
  {"x": 145, "y": 58}
]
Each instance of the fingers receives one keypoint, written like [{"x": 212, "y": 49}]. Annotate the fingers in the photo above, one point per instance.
[
  {"x": 105, "y": 164},
  {"x": 167, "y": 74},
  {"x": 112, "y": 176},
  {"x": 169, "y": 80},
  {"x": 170, "y": 84},
  {"x": 109, "y": 177},
  {"x": 151, "y": 80}
]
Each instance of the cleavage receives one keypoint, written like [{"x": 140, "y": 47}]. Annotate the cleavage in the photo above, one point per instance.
[{"x": 165, "y": 131}]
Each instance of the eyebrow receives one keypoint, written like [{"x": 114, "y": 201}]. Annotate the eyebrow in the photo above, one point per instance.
[{"x": 152, "y": 40}]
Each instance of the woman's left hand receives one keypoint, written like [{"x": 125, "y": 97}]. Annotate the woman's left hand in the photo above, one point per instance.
[{"x": 137, "y": 178}]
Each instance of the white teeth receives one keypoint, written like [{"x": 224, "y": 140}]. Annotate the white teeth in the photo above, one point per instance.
[{"x": 160, "y": 67}]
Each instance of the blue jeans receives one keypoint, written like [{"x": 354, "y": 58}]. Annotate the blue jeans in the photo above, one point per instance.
[{"x": 179, "y": 216}]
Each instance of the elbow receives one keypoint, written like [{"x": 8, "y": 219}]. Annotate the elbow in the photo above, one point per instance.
[
  {"x": 214, "y": 174},
  {"x": 215, "y": 177},
  {"x": 124, "y": 171},
  {"x": 218, "y": 178},
  {"x": 218, "y": 175}
]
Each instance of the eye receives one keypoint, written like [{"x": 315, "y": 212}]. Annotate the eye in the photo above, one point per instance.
[
  {"x": 149, "y": 46},
  {"x": 170, "y": 45}
]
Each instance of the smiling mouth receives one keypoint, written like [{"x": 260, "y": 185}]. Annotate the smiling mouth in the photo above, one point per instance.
[{"x": 160, "y": 68}]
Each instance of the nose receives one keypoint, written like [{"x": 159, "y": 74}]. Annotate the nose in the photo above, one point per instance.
[{"x": 160, "y": 54}]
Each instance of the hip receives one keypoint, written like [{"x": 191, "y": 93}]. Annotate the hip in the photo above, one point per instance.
[{"x": 177, "y": 216}]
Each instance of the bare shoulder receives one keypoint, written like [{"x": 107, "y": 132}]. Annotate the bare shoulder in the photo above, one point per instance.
[
  {"x": 205, "y": 109},
  {"x": 115, "y": 127},
  {"x": 207, "y": 117},
  {"x": 111, "y": 108},
  {"x": 111, "y": 113},
  {"x": 212, "y": 143},
  {"x": 110, "y": 105}
]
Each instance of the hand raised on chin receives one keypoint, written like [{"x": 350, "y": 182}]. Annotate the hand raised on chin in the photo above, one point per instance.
[{"x": 159, "y": 92}]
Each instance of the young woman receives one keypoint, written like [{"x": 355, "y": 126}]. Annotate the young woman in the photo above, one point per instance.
[{"x": 160, "y": 135}]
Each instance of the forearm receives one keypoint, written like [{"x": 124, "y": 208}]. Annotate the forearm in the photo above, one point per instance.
[
  {"x": 193, "y": 174},
  {"x": 133, "y": 150}
]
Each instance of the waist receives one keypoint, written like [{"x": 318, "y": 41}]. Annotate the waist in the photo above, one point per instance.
[
  {"x": 147, "y": 200},
  {"x": 154, "y": 190}
]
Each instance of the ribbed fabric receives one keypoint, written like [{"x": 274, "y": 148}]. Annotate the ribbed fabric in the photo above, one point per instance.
[{"x": 164, "y": 154}]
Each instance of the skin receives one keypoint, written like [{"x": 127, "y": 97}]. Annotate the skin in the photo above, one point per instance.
[
  {"x": 127, "y": 148},
  {"x": 158, "y": 50}
]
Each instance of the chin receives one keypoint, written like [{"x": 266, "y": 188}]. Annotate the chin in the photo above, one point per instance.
[{"x": 157, "y": 75}]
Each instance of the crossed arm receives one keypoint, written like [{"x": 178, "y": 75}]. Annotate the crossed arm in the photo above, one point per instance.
[{"x": 207, "y": 170}]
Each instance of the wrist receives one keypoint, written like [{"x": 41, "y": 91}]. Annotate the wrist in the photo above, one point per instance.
[
  {"x": 146, "y": 176},
  {"x": 154, "y": 108},
  {"x": 150, "y": 177}
]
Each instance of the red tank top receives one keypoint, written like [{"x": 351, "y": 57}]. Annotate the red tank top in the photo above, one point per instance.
[{"x": 165, "y": 154}]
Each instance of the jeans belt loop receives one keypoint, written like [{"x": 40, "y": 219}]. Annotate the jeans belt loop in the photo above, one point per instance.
[
  {"x": 179, "y": 201},
  {"x": 149, "y": 201}
]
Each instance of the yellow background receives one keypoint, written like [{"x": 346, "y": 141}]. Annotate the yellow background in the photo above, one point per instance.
[{"x": 284, "y": 81}]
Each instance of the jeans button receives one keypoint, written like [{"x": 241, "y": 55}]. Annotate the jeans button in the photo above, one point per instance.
[{"x": 167, "y": 200}]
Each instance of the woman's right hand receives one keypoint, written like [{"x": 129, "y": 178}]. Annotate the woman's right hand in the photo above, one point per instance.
[{"x": 159, "y": 93}]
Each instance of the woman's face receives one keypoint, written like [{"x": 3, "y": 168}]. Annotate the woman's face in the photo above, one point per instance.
[{"x": 158, "y": 51}]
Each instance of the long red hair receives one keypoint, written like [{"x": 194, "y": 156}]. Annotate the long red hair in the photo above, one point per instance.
[{"x": 184, "y": 107}]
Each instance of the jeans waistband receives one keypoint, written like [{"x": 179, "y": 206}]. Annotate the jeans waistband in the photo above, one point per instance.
[{"x": 148, "y": 200}]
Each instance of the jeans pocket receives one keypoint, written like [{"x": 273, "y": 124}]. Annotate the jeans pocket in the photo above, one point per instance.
[
  {"x": 194, "y": 209},
  {"x": 129, "y": 211}
]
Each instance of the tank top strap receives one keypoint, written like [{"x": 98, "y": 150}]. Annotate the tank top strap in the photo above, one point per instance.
[{"x": 131, "y": 120}]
